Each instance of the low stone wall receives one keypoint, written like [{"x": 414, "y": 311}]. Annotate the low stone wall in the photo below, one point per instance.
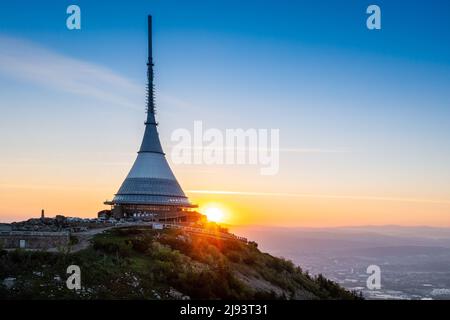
[{"x": 33, "y": 239}]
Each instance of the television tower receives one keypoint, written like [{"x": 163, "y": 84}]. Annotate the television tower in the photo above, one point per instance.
[{"x": 151, "y": 189}]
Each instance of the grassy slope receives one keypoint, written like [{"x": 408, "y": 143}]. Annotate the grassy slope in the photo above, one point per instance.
[{"x": 138, "y": 263}]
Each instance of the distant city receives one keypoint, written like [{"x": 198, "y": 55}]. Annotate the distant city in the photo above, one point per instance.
[{"x": 414, "y": 261}]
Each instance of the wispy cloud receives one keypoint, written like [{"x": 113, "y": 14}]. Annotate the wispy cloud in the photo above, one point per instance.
[
  {"x": 27, "y": 61},
  {"x": 313, "y": 150},
  {"x": 58, "y": 187},
  {"x": 325, "y": 196},
  {"x": 250, "y": 149}
]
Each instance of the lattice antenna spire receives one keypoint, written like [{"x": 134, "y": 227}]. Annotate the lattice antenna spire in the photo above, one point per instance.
[{"x": 150, "y": 85}]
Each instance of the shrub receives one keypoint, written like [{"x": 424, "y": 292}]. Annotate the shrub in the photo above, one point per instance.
[
  {"x": 234, "y": 257},
  {"x": 253, "y": 244},
  {"x": 73, "y": 240},
  {"x": 110, "y": 246}
]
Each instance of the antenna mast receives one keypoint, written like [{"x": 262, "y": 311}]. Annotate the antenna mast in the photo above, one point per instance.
[{"x": 150, "y": 87}]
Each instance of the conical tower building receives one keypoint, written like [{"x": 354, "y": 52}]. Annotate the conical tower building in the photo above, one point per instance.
[{"x": 151, "y": 189}]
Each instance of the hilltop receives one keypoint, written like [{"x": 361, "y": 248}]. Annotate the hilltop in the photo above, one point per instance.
[{"x": 142, "y": 263}]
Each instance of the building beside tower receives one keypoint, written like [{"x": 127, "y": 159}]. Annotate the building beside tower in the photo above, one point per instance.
[{"x": 151, "y": 190}]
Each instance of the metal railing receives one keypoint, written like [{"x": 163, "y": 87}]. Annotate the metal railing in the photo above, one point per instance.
[{"x": 208, "y": 232}]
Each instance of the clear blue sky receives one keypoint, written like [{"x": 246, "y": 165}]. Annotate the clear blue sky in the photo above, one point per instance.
[{"x": 378, "y": 100}]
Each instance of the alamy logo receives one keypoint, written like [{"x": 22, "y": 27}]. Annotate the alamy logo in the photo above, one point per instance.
[
  {"x": 74, "y": 280},
  {"x": 73, "y": 21},
  {"x": 374, "y": 20},
  {"x": 374, "y": 280},
  {"x": 234, "y": 146}
]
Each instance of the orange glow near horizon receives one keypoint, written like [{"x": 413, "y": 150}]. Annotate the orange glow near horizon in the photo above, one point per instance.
[
  {"x": 79, "y": 190},
  {"x": 21, "y": 202}
]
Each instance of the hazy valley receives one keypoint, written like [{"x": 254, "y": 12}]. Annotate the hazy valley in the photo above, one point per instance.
[{"x": 414, "y": 261}]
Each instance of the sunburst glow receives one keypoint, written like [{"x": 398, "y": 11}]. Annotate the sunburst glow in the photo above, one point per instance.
[{"x": 214, "y": 212}]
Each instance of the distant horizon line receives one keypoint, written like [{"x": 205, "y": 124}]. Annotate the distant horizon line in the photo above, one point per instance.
[
  {"x": 227, "y": 225},
  {"x": 338, "y": 227}
]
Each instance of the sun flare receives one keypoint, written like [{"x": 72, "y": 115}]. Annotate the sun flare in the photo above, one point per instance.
[{"x": 213, "y": 212}]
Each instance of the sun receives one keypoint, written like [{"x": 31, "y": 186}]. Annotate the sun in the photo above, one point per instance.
[{"x": 213, "y": 212}]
